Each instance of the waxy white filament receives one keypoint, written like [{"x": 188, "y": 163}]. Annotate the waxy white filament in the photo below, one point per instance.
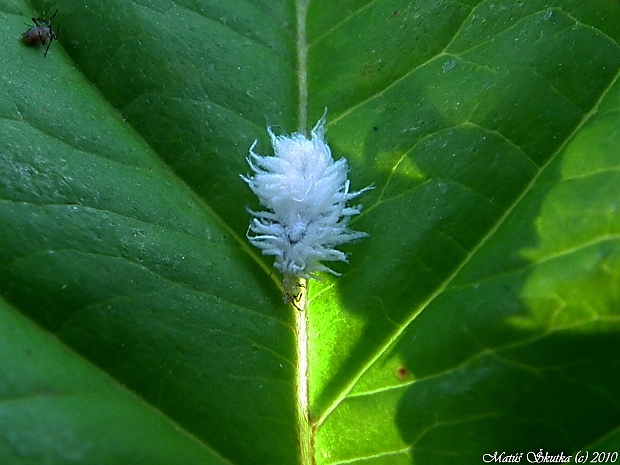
[{"x": 306, "y": 193}]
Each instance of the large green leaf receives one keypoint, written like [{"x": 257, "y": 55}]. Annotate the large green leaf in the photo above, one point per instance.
[{"x": 481, "y": 314}]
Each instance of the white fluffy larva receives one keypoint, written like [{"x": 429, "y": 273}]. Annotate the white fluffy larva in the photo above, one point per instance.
[{"x": 306, "y": 193}]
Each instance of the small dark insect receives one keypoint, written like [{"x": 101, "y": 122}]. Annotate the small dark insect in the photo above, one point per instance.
[
  {"x": 41, "y": 32},
  {"x": 292, "y": 291}
]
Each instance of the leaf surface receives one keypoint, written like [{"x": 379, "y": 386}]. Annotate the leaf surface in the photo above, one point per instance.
[{"x": 480, "y": 315}]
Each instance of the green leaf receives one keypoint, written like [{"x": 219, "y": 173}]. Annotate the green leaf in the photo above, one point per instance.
[
  {"x": 57, "y": 408},
  {"x": 481, "y": 315}
]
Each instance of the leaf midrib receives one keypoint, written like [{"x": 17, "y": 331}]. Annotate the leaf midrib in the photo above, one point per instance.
[{"x": 304, "y": 430}]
